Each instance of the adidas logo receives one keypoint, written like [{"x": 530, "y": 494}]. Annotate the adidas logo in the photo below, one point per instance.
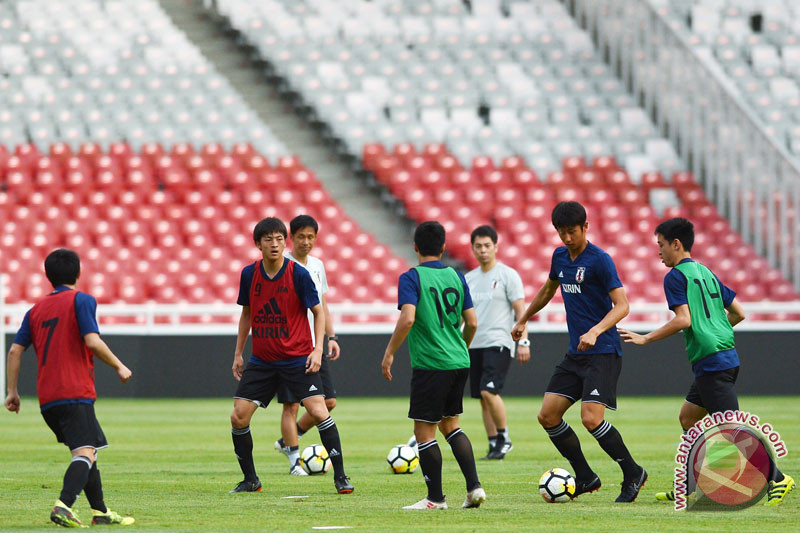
[
  {"x": 334, "y": 452},
  {"x": 594, "y": 393},
  {"x": 561, "y": 274},
  {"x": 490, "y": 384},
  {"x": 427, "y": 479},
  {"x": 313, "y": 388}
]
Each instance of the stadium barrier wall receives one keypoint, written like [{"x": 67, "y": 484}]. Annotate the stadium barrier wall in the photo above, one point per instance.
[{"x": 200, "y": 366}]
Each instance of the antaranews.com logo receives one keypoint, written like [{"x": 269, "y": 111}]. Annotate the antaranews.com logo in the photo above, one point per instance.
[{"x": 724, "y": 462}]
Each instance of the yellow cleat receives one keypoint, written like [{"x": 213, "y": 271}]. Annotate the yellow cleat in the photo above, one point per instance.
[
  {"x": 666, "y": 496},
  {"x": 778, "y": 491},
  {"x": 111, "y": 518},
  {"x": 64, "y": 516}
]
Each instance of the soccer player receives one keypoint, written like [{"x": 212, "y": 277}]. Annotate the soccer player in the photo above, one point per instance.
[
  {"x": 303, "y": 233},
  {"x": 595, "y": 301},
  {"x": 433, "y": 299},
  {"x": 706, "y": 311},
  {"x": 63, "y": 330},
  {"x": 499, "y": 300},
  {"x": 279, "y": 292}
]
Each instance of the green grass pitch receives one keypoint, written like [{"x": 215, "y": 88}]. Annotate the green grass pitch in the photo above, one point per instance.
[{"x": 171, "y": 465}]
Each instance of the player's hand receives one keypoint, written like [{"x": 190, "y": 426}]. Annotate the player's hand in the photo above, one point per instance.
[
  {"x": 631, "y": 337},
  {"x": 386, "y": 365},
  {"x": 333, "y": 350},
  {"x": 314, "y": 361},
  {"x": 518, "y": 330},
  {"x": 12, "y": 402},
  {"x": 523, "y": 354},
  {"x": 124, "y": 373},
  {"x": 238, "y": 367},
  {"x": 587, "y": 340}
]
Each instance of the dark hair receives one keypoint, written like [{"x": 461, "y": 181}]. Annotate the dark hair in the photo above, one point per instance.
[
  {"x": 483, "y": 231},
  {"x": 303, "y": 221},
  {"x": 268, "y": 226},
  {"x": 429, "y": 238},
  {"x": 568, "y": 214},
  {"x": 62, "y": 267},
  {"x": 677, "y": 228}
]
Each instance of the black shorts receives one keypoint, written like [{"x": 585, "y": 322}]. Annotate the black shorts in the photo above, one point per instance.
[
  {"x": 590, "y": 377},
  {"x": 436, "y": 394},
  {"x": 75, "y": 425},
  {"x": 284, "y": 396},
  {"x": 259, "y": 383},
  {"x": 716, "y": 391},
  {"x": 487, "y": 369}
]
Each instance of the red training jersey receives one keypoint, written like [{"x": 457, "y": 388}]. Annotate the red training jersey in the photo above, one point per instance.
[
  {"x": 66, "y": 366},
  {"x": 278, "y": 318}
]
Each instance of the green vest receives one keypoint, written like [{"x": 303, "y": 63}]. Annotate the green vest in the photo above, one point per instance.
[
  {"x": 710, "y": 331},
  {"x": 435, "y": 341}
]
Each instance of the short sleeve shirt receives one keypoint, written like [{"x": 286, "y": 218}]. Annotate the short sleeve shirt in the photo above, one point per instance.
[
  {"x": 408, "y": 287},
  {"x": 585, "y": 284},
  {"x": 492, "y": 294}
]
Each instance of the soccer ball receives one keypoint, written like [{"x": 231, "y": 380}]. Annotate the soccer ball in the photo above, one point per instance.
[
  {"x": 402, "y": 459},
  {"x": 557, "y": 486},
  {"x": 315, "y": 459}
]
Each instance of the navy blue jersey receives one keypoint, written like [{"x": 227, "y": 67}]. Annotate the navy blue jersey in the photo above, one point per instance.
[
  {"x": 408, "y": 287},
  {"x": 675, "y": 291},
  {"x": 85, "y": 311},
  {"x": 585, "y": 284}
]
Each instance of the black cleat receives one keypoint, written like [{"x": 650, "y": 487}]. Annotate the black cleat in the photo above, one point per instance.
[
  {"x": 500, "y": 450},
  {"x": 630, "y": 488},
  {"x": 247, "y": 486},
  {"x": 585, "y": 487},
  {"x": 343, "y": 485}
]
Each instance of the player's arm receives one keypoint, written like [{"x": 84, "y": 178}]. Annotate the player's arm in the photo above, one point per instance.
[
  {"x": 681, "y": 321},
  {"x": 470, "y": 325},
  {"x": 101, "y": 350},
  {"x": 619, "y": 310},
  {"x": 241, "y": 339},
  {"x": 333, "y": 343},
  {"x": 12, "y": 376},
  {"x": 545, "y": 294},
  {"x": 408, "y": 313},
  {"x": 523, "y": 352},
  {"x": 314, "y": 360},
  {"x": 735, "y": 312}
]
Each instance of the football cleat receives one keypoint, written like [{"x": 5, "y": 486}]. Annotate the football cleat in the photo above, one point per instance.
[
  {"x": 630, "y": 488},
  {"x": 281, "y": 447},
  {"x": 111, "y": 518},
  {"x": 343, "y": 485},
  {"x": 425, "y": 504},
  {"x": 475, "y": 498},
  {"x": 297, "y": 469},
  {"x": 778, "y": 491},
  {"x": 668, "y": 496},
  {"x": 585, "y": 487},
  {"x": 64, "y": 516},
  {"x": 247, "y": 486}
]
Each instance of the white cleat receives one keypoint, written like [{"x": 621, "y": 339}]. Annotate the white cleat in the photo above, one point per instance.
[
  {"x": 475, "y": 498},
  {"x": 298, "y": 470},
  {"x": 425, "y": 504},
  {"x": 283, "y": 449}
]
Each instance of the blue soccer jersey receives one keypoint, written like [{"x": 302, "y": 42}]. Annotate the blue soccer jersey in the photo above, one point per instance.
[
  {"x": 585, "y": 284},
  {"x": 675, "y": 291}
]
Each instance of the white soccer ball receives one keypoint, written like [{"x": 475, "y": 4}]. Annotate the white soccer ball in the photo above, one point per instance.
[
  {"x": 315, "y": 459},
  {"x": 557, "y": 486},
  {"x": 402, "y": 459}
]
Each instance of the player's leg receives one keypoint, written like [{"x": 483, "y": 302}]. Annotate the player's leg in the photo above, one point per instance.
[
  {"x": 101, "y": 514},
  {"x": 256, "y": 388},
  {"x": 564, "y": 388},
  {"x": 496, "y": 363},
  {"x": 599, "y": 392},
  {"x": 288, "y": 443},
  {"x": 475, "y": 375},
  {"x": 306, "y": 422}
]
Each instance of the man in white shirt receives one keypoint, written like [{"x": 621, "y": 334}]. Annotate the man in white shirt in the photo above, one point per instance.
[
  {"x": 499, "y": 299},
  {"x": 303, "y": 233}
]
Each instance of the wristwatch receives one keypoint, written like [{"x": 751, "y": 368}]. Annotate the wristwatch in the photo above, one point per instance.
[{"x": 524, "y": 342}]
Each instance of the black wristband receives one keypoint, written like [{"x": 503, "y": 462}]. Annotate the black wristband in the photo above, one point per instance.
[{"x": 334, "y": 338}]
